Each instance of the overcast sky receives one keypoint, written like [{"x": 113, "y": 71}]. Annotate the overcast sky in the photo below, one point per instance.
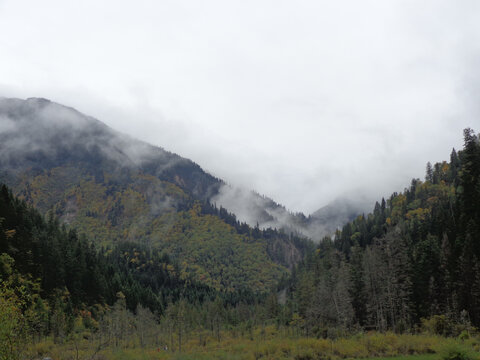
[{"x": 303, "y": 101}]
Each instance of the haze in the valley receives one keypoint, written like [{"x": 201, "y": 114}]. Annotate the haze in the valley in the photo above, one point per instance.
[{"x": 306, "y": 102}]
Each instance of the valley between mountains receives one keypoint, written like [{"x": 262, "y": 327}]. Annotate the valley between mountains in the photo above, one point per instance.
[{"x": 111, "y": 248}]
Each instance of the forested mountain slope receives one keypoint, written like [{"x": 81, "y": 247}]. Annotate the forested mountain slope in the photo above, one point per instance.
[
  {"x": 54, "y": 282},
  {"x": 116, "y": 189},
  {"x": 56, "y": 264},
  {"x": 39, "y": 135},
  {"x": 416, "y": 256}
]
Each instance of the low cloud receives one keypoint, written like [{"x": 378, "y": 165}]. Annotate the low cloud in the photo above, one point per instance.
[
  {"x": 304, "y": 102},
  {"x": 38, "y": 127},
  {"x": 258, "y": 210}
]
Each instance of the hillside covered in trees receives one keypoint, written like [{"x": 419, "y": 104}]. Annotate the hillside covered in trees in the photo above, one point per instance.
[
  {"x": 416, "y": 256},
  {"x": 116, "y": 189},
  {"x": 55, "y": 283}
]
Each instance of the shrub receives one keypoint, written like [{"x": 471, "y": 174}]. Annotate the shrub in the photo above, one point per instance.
[
  {"x": 436, "y": 325},
  {"x": 464, "y": 335},
  {"x": 456, "y": 352}
]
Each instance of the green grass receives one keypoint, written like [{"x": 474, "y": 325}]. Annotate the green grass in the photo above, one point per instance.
[
  {"x": 275, "y": 345},
  {"x": 410, "y": 357}
]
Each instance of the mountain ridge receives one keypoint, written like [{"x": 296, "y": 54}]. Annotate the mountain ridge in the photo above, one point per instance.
[
  {"x": 114, "y": 188},
  {"x": 249, "y": 206}
]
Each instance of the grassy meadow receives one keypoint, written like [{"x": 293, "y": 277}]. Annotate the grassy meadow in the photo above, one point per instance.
[{"x": 267, "y": 343}]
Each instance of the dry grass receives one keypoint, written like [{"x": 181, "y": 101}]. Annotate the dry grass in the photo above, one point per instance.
[{"x": 271, "y": 344}]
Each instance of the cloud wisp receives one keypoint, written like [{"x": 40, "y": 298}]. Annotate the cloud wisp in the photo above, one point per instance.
[{"x": 304, "y": 102}]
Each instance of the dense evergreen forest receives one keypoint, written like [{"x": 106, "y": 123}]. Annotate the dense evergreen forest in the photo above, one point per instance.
[
  {"x": 409, "y": 266},
  {"x": 416, "y": 256}
]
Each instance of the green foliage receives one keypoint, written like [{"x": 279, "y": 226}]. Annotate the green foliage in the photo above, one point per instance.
[
  {"x": 210, "y": 245},
  {"x": 275, "y": 345},
  {"x": 457, "y": 352},
  {"x": 416, "y": 256},
  {"x": 13, "y": 326},
  {"x": 213, "y": 253},
  {"x": 437, "y": 325}
]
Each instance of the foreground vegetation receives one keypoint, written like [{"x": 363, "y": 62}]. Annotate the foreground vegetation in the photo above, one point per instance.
[{"x": 270, "y": 343}]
